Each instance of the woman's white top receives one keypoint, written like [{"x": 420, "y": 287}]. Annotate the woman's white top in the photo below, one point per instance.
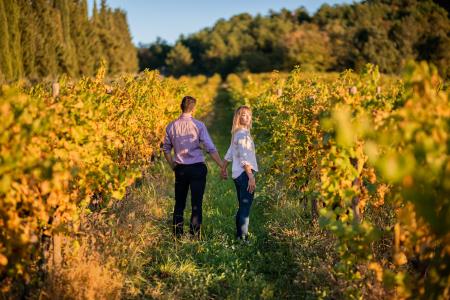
[{"x": 241, "y": 152}]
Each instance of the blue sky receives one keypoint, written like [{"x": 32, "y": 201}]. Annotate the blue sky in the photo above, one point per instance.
[{"x": 168, "y": 19}]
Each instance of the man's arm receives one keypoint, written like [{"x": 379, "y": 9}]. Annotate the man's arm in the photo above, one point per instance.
[
  {"x": 206, "y": 139},
  {"x": 167, "y": 148},
  {"x": 227, "y": 158},
  {"x": 216, "y": 157},
  {"x": 209, "y": 145}
]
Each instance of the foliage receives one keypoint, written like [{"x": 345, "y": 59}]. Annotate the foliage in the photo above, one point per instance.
[
  {"x": 371, "y": 159},
  {"x": 63, "y": 156}
]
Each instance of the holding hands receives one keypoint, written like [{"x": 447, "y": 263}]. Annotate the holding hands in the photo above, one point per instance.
[{"x": 223, "y": 170}]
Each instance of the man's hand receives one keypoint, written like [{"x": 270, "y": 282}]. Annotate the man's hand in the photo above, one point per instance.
[
  {"x": 169, "y": 159},
  {"x": 223, "y": 173},
  {"x": 223, "y": 170}
]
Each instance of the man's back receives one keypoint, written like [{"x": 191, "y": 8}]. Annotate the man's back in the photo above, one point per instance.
[{"x": 185, "y": 135}]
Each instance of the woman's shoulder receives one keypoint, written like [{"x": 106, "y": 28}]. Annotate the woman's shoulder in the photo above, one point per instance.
[
  {"x": 239, "y": 135},
  {"x": 242, "y": 132}
]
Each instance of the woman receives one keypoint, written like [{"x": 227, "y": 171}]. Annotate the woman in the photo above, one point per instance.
[{"x": 242, "y": 153}]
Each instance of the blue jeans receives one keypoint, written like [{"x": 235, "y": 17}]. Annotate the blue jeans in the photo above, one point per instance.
[{"x": 245, "y": 199}]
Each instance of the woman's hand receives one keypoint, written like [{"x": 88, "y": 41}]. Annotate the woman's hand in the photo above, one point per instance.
[
  {"x": 251, "y": 184},
  {"x": 223, "y": 173},
  {"x": 223, "y": 169}
]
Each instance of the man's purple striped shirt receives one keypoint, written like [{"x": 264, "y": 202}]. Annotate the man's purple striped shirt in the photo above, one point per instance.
[{"x": 185, "y": 135}]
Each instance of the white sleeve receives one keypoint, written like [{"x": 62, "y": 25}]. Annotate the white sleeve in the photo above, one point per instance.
[
  {"x": 244, "y": 149},
  {"x": 229, "y": 155}
]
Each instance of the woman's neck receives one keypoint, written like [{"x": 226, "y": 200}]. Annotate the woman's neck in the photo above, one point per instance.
[{"x": 241, "y": 128}]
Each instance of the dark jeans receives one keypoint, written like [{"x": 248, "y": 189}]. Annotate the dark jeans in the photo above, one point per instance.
[
  {"x": 245, "y": 199},
  {"x": 194, "y": 177}
]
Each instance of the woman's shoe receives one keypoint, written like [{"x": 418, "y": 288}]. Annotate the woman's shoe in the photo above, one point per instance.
[{"x": 244, "y": 240}]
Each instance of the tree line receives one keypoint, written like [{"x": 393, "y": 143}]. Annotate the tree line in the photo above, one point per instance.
[
  {"x": 45, "y": 38},
  {"x": 384, "y": 32}
]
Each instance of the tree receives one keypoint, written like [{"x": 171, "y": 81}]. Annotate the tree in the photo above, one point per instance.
[
  {"x": 29, "y": 34},
  {"x": 308, "y": 47},
  {"x": 5, "y": 54},
  {"x": 179, "y": 60},
  {"x": 47, "y": 41},
  {"x": 153, "y": 56},
  {"x": 12, "y": 10},
  {"x": 67, "y": 51},
  {"x": 126, "y": 53},
  {"x": 80, "y": 32},
  {"x": 96, "y": 47},
  {"x": 302, "y": 15},
  {"x": 45, "y": 38}
]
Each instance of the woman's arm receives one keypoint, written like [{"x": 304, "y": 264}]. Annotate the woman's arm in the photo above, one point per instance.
[
  {"x": 251, "y": 179},
  {"x": 243, "y": 149}
]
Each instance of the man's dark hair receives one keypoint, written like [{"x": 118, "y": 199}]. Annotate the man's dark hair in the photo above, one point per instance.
[{"x": 187, "y": 104}]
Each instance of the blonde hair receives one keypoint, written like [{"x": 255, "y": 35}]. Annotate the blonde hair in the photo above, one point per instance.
[{"x": 237, "y": 114}]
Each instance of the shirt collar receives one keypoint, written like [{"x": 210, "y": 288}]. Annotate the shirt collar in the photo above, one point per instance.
[
  {"x": 186, "y": 115},
  {"x": 242, "y": 129}
]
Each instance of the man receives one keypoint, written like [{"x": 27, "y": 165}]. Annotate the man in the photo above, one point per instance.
[{"x": 185, "y": 135}]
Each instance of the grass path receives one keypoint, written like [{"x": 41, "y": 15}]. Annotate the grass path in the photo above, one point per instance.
[{"x": 218, "y": 266}]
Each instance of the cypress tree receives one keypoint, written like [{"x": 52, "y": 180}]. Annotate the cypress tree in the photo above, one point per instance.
[
  {"x": 68, "y": 62},
  {"x": 111, "y": 41},
  {"x": 47, "y": 43},
  {"x": 125, "y": 58},
  {"x": 80, "y": 30},
  {"x": 12, "y": 14},
  {"x": 44, "y": 38},
  {"x": 104, "y": 12},
  {"x": 28, "y": 39},
  {"x": 5, "y": 54},
  {"x": 96, "y": 48}
]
